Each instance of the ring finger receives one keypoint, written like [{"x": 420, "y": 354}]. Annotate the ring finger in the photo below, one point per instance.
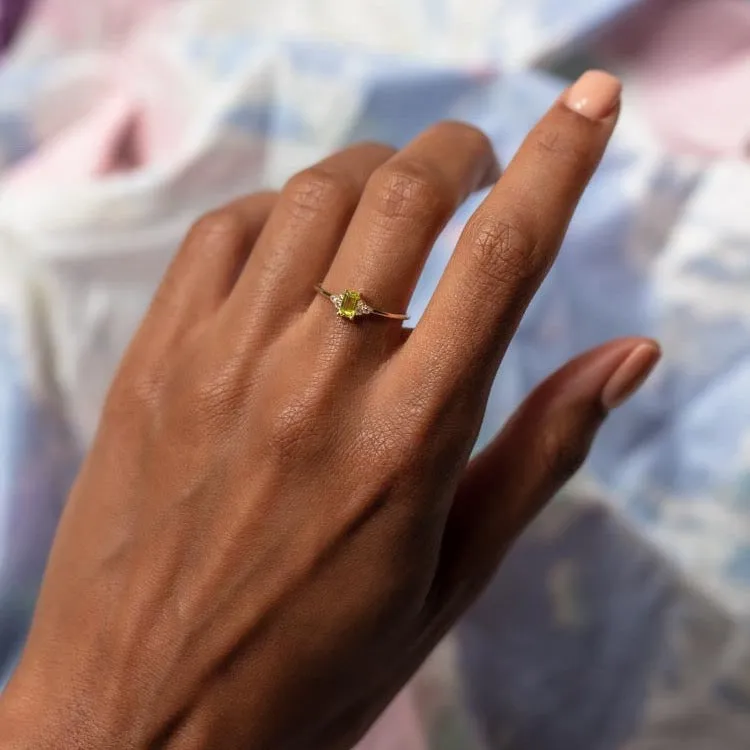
[
  {"x": 406, "y": 204},
  {"x": 303, "y": 234}
]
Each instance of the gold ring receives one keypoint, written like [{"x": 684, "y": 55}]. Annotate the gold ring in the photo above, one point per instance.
[{"x": 350, "y": 305}]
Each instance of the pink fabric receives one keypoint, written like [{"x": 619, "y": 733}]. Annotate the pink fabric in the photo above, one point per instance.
[
  {"x": 99, "y": 145},
  {"x": 690, "y": 63},
  {"x": 83, "y": 23},
  {"x": 125, "y": 124},
  {"x": 397, "y": 729}
]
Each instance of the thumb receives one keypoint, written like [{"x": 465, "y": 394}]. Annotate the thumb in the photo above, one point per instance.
[{"x": 540, "y": 448}]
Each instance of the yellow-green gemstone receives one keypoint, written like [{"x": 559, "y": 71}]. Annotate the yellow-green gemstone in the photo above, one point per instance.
[{"x": 348, "y": 307}]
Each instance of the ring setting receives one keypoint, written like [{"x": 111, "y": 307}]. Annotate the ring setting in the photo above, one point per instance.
[{"x": 350, "y": 305}]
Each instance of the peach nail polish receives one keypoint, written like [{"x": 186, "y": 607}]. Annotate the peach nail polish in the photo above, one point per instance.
[
  {"x": 630, "y": 375},
  {"x": 594, "y": 95}
]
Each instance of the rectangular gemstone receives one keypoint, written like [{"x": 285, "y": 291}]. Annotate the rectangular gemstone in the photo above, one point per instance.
[{"x": 348, "y": 308}]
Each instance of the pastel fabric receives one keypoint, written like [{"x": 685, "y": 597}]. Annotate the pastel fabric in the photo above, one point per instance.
[
  {"x": 620, "y": 620},
  {"x": 688, "y": 71},
  {"x": 12, "y": 13}
]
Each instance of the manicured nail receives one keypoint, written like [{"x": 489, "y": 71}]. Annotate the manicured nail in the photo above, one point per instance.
[
  {"x": 594, "y": 95},
  {"x": 630, "y": 375}
]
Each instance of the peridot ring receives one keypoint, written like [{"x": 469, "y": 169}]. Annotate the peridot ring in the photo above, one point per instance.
[{"x": 349, "y": 304}]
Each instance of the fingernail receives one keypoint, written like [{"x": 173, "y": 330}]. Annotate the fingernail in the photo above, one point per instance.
[
  {"x": 594, "y": 95},
  {"x": 630, "y": 375}
]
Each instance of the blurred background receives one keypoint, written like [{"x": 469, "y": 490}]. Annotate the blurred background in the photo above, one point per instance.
[{"x": 622, "y": 618}]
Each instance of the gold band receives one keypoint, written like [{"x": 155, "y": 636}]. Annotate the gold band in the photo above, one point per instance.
[{"x": 350, "y": 305}]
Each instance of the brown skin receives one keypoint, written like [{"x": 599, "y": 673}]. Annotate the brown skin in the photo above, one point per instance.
[{"x": 278, "y": 519}]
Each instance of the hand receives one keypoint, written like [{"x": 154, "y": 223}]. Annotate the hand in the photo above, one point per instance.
[{"x": 276, "y": 522}]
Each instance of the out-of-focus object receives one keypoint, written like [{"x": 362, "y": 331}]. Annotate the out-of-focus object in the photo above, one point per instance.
[
  {"x": 690, "y": 63},
  {"x": 12, "y": 13}
]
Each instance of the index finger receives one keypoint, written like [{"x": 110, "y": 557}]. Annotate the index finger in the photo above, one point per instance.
[{"x": 512, "y": 239}]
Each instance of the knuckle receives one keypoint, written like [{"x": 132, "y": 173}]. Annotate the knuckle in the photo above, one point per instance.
[
  {"x": 215, "y": 394},
  {"x": 208, "y": 404},
  {"x": 132, "y": 394},
  {"x": 318, "y": 189},
  {"x": 549, "y": 142},
  {"x": 402, "y": 440},
  {"x": 289, "y": 428},
  {"x": 501, "y": 251},
  {"x": 409, "y": 188},
  {"x": 390, "y": 447}
]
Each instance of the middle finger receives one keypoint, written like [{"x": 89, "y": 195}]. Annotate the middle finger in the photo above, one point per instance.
[{"x": 513, "y": 237}]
